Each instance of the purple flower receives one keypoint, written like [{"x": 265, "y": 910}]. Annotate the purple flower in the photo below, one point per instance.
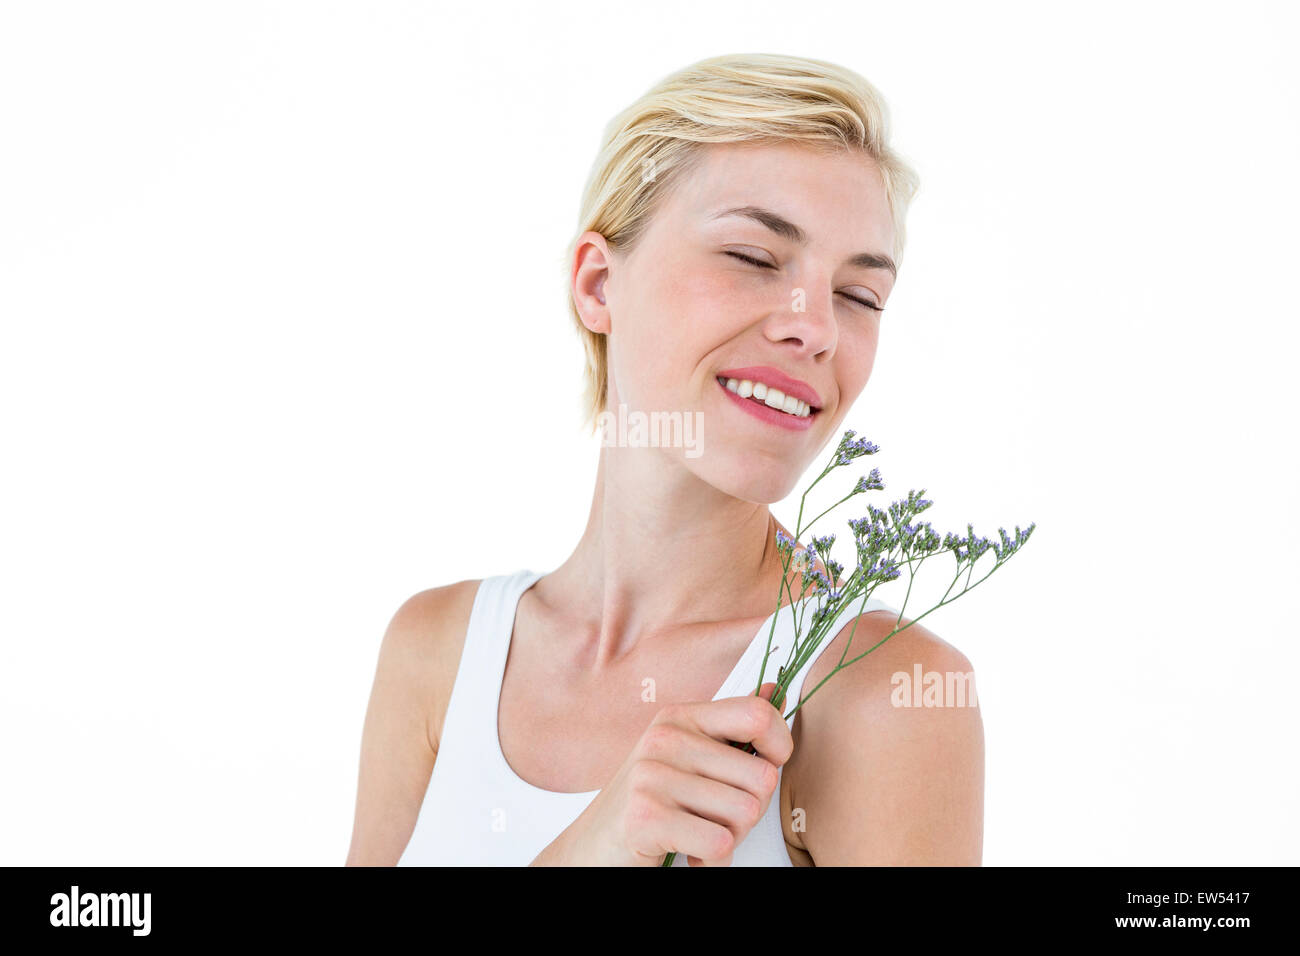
[
  {"x": 849, "y": 449},
  {"x": 871, "y": 482}
]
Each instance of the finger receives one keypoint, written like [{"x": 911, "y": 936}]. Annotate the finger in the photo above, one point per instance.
[
  {"x": 765, "y": 691},
  {"x": 737, "y": 810},
  {"x": 693, "y": 752},
  {"x": 746, "y": 719},
  {"x": 698, "y": 838}
]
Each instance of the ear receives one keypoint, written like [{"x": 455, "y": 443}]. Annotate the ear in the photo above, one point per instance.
[{"x": 592, "y": 260}]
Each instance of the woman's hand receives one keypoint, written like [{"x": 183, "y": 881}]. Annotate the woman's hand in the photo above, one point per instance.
[{"x": 683, "y": 788}]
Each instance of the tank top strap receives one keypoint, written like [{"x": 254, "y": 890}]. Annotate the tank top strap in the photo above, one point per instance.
[{"x": 470, "y": 722}]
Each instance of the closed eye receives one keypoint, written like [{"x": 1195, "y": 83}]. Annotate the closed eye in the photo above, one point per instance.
[
  {"x": 854, "y": 298},
  {"x": 767, "y": 265},
  {"x": 751, "y": 260}
]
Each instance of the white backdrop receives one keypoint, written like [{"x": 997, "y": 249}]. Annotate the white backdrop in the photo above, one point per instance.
[{"x": 284, "y": 342}]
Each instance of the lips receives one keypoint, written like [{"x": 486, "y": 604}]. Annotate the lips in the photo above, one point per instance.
[
  {"x": 765, "y": 413},
  {"x": 775, "y": 378}
]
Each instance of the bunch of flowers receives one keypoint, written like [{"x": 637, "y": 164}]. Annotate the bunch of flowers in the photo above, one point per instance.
[{"x": 887, "y": 541}]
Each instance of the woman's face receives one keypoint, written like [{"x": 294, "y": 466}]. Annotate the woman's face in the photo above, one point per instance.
[{"x": 683, "y": 306}]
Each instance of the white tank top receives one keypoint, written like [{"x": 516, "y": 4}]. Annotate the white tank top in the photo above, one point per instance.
[{"x": 478, "y": 812}]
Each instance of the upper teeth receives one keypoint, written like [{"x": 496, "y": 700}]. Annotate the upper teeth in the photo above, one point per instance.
[{"x": 772, "y": 397}]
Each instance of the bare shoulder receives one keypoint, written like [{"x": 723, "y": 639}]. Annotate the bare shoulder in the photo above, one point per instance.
[
  {"x": 427, "y": 634},
  {"x": 889, "y": 752},
  {"x": 418, "y": 659},
  {"x": 913, "y": 644}
]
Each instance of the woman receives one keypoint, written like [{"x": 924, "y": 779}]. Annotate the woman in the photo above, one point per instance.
[{"x": 739, "y": 239}]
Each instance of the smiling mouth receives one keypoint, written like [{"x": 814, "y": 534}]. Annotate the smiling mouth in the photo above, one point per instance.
[{"x": 769, "y": 397}]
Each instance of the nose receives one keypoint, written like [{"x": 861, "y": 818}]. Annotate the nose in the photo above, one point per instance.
[{"x": 807, "y": 322}]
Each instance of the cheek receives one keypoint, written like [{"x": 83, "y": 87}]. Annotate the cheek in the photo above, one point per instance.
[
  {"x": 702, "y": 291},
  {"x": 658, "y": 341},
  {"x": 670, "y": 299},
  {"x": 693, "y": 310},
  {"x": 860, "y": 357}
]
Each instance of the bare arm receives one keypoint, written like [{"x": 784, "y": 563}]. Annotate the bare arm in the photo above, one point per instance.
[
  {"x": 882, "y": 784},
  {"x": 418, "y": 659}
]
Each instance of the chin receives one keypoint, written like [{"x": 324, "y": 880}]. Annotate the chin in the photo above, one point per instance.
[{"x": 746, "y": 477}]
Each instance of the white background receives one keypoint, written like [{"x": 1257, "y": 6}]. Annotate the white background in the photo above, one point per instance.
[{"x": 284, "y": 342}]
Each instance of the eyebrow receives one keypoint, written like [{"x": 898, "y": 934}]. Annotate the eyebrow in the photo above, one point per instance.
[{"x": 787, "y": 230}]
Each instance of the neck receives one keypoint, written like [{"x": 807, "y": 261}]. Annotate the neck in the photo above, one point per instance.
[{"x": 664, "y": 550}]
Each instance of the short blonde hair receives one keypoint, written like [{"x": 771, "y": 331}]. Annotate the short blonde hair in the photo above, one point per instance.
[{"x": 756, "y": 97}]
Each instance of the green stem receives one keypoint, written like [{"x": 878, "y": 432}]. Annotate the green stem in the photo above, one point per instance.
[{"x": 897, "y": 630}]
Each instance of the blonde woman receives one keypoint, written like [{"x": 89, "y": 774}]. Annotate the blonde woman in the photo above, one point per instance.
[{"x": 739, "y": 239}]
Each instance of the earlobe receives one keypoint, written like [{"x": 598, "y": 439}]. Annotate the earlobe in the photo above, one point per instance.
[{"x": 598, "y": 320}]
